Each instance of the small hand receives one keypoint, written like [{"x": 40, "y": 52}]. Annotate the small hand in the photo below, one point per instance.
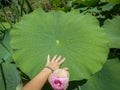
[{"x": 55, "y": 62}]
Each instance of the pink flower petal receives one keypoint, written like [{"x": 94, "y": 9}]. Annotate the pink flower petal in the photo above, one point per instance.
[{"x": 59, "y": 79}]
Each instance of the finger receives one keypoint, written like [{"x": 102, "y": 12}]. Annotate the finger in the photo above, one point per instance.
[
  {"x": 48, "y": 58},
  {"x": 61, "y": 61},
  {"x": 57, "y": 60},
  {"x": 54, "y": 58},
  {"x": 67, "y": 69}
]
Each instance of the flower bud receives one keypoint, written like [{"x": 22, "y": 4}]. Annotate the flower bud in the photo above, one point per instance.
[{"x": 59, "y": 79}]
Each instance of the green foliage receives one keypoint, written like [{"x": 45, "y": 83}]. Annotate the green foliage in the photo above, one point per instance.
[
  {"x": 56, "y": 3},
  {"x": 107, "y": 78},
  {"x": 111, "y": 1},
  {"x": 9, "y": 76},
  {"x": 87, "y": 2},
  {"x": 107, "y": 7},
  {"x": 112, "y": 28},
  {"x": 5, "y": 50},
  {"x": 10, "y": 13},
  {"x": 106, "y": 11}
]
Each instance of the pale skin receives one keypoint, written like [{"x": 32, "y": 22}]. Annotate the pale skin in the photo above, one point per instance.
[{"x": 38, "y": 81}]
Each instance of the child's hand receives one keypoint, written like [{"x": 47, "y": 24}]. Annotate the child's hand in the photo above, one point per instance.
[{"x": 55, "y": 62}]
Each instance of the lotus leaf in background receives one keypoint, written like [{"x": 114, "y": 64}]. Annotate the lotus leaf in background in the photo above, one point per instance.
[
  {"x": 9, "y": 76},
  {"x": 73, "y": 35},
  {"x": 5, "y": 50},
  {"x": 107, "y": 79},
  {"x": 4, "y": 54},
  {"x": 87, "y": 2},
  {"x": 112, "y": 29},
  {"x": 111, "y": 1}
]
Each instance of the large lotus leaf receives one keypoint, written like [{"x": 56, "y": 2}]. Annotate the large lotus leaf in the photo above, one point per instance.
[
  {"x": 112, "y": 28},
  {"x": 111, "y": 1},
  {"x": 9, "y": 76},
  {"x": 73, "y": 35},
  {"x": 107, "y": 79}
]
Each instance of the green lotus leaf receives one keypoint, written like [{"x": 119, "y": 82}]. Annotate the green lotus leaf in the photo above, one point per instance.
[
  {"x": 5, "y": 50},
  {"x": 107, "y": 79},
  {"x": 4, "y": 54},
  {"x": 112, "y": 29},
  {"x": 11, "y": 76},
  {"x": 107, "y": 7},
  {"x": 111, "y": 1},
  {"x": 1, "y": 82},
  {"x": 73, "y": 35},
  {"x": 87, "y": 2}
]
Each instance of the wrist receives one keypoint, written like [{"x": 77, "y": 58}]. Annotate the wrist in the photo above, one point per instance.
[
  {"x": 47, "y": 71},
  {"x": 49, "y": 68}
]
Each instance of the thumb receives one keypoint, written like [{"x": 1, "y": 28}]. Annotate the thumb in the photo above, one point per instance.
[{"x": 67, "y": 69}]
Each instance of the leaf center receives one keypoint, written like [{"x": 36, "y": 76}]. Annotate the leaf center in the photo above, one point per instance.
[{"x": 57, "y": 42}]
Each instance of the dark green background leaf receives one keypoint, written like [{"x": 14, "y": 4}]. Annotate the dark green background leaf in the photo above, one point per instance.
[
  {"x": 5, "y": 49},
  {"x": 107, "y": 79},
  {"x": 111, "y": 1},
  {"x": 10, "y": 76},
  {"x": 112, "y": 29},
  {"x": 87, "y": 2}
]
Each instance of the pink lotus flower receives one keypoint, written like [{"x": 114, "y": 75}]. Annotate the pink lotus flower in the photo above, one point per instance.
[{"x": 59, "y": 79}]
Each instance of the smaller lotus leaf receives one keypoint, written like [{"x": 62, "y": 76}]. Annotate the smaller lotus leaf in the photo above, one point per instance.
[
  {"x": 111, "y": 1},
  {"x": 107, "y": 79},
  {"x": 5, "y": 50},
  {"x": 112, "y": 29},
  {"x": 11, "y": 76},
  {"x": 87, "y": 2}
]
